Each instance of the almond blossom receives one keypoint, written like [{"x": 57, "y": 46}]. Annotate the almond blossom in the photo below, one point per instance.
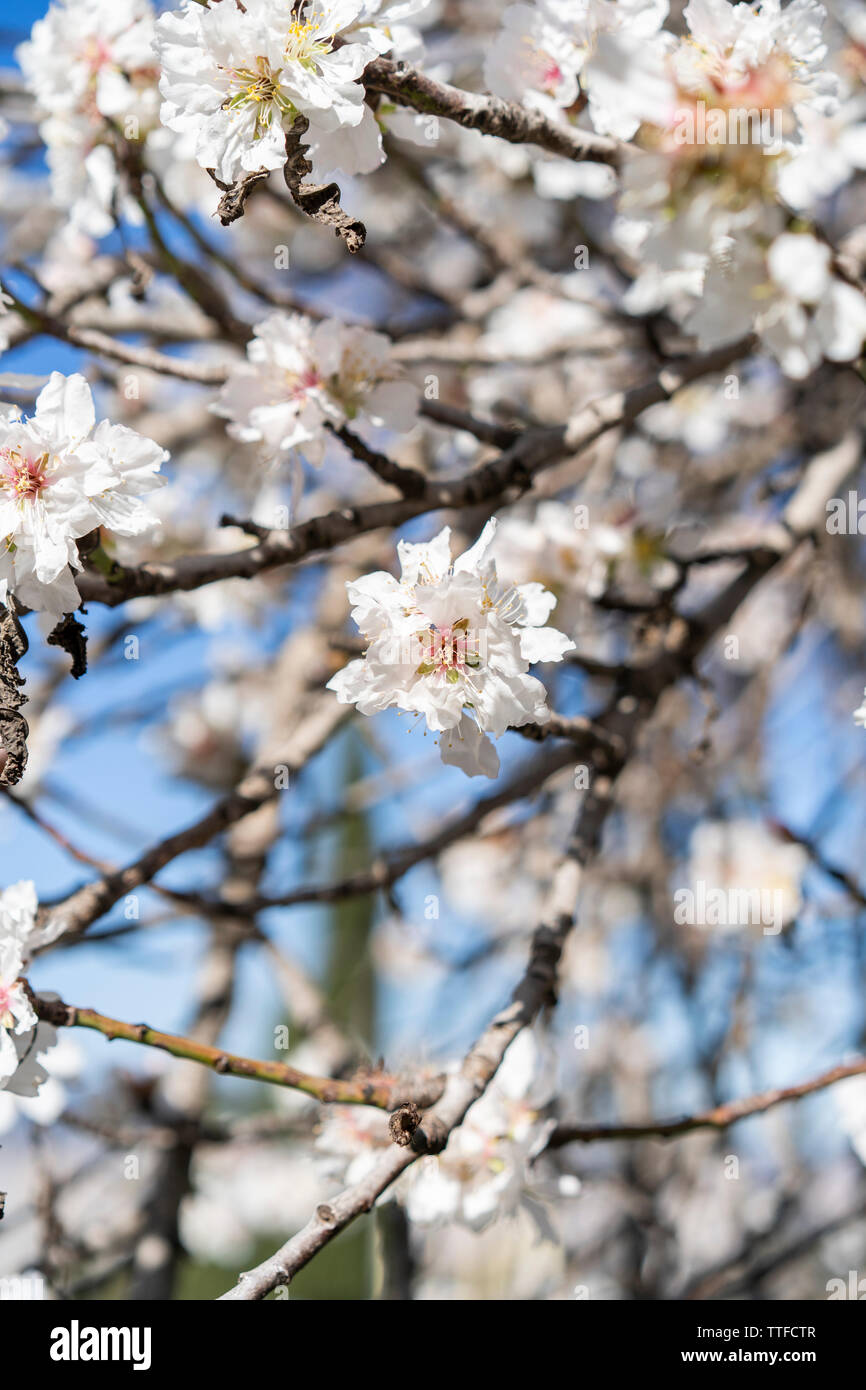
[
  {"x": 484, "y": 1172},
  {"x": 91, "y": 55},
  {"x": 746, "y": 862},
  {"x": 36, "y": 1091},
  {"x": 61, "y": 477},
  {"x": 27, "y": 1085},
  {"x": 300, "y": 377},
  {"x": 789, "y": 295},
  {"x": 18, "y": 1021},
  {"x": 16, "y": 1013},
  {"x": 767, "y": 56},
  {"x": 91, "y": 66},
  {"x": 699, "y": 210},
  {"x": 383, "y": 23},
  {"x": 237, "y": 78},
  {"x": 547, "y": 51},
  {"x": 453, "y": 643}
]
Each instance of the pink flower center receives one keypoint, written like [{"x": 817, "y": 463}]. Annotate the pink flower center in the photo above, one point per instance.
[
  {"x": 448, "y": 650},
  {"x": 5, "y": 1004},
  {"x": 301, "y": 383},
  {"x": 551, "y": 74},
  {"x": 96, "y": 54},
  {"x": 23, "y": 477}
]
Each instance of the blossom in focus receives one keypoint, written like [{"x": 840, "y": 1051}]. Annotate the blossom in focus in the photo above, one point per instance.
[
  {"x": 300, "y": 377},
  {"x": 237, "y": 78},
  {"x": 383, "y": 24},
  {"x": 452, "y": 642},
  {"x": 61, "y": 477}
]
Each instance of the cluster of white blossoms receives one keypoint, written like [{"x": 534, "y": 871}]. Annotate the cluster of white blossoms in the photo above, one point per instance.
[
  {"x": 485, "y": 1172},
  {"x": 451, "y": 642},
  {"x": 705, "y": 206},
  {"x": 91, "y": 66},
  {"x": 551, "y": 52},
  {"x": 300, "y": 377},
  {"x": 218, "y": 85},
  {"x": 62, "y": 476},
  {"x": 236, "y": 78},
  {"x": 739, "y": 128},
  {"x": 578, "y": 550}
]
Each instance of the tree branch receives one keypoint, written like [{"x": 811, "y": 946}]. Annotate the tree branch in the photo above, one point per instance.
[{"x": 720, "y": 1117}]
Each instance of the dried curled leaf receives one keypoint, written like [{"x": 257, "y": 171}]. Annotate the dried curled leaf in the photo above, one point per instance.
[
  {"x": 232, "y": 203},
  {"x": 70, "y": 635},
  {"x": 320, "y": 201},
  {"x": 13, "y": 725}
]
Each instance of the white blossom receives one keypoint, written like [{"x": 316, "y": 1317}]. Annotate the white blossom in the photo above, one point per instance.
[
  {"x": 700, "y": 212},
  {"x": 453, "y": 643},
  {"x": 300, "y": 377},
  {"x": 16, "y": 1013},
  {"x": 29, "y": 1085},
  {"x": 546, "y": 52},
  {"x": 833, "y": 148},
  {"x": 237, "y": 78},
  {"x": 801, "y": 311},
  {"x": 92, "y": 55},
  {"x": 17, "y": 1020},
  {"x": 483, "y": 1174},
  {"x": 36, "y": 1091},
  {"x": 92, "y": 69},
  {"x": 767, "y": 56},
  {"x": 61, "y": 477},
  {"x": 383, "y": 24},
  {"x": 743, "y": 859}
]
